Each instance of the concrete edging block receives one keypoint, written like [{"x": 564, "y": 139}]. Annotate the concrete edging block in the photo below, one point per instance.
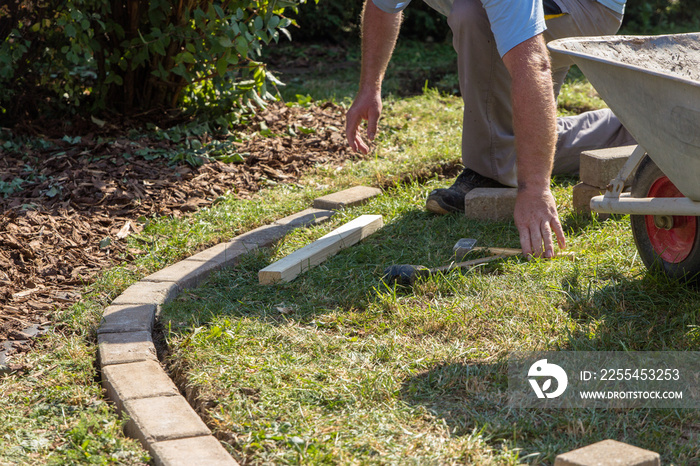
[
  {"x": 205, "y": 450},
  {"x": 142, "y": 292},
  {"x": 582, "y": 194},
  {"x": 224, "y": 254},
  {"x": 350, "y": 197},
  {"x": 122, "y": 348},
  {"x": 186, "y": 273},
  {"x": 598, "y": 167},
  {"x": 264, "y": 236},
  {"x": 128, "y": 318},
  {"x": 306, "y": 218},
  {"x": 148, "y": 423},
  {"x": 495, "y": 204},
  {"x": 136, "y": 380},
  {"x": 609, "y": 453}
]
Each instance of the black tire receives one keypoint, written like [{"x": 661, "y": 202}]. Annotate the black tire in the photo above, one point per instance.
[{"x": 672, "y": 248}]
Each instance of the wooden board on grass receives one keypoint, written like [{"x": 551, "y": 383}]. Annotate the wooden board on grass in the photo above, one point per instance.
[{"x": 288, "y": 268}]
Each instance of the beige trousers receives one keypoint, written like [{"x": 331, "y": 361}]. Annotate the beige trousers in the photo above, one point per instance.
[{"x": 488, "y": 141}]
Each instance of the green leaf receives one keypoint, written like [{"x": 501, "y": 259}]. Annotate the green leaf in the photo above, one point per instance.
[
  {"x": 53, "y": 192},
  {"x": 70, "y": 30},
  {"x": 222, "y": 66},
  {"x": 159, "y": 47},
  {"x": 242, "y": 46},
  {"x": 187, "y": 57},
  {"x": 225, "y": 42}
]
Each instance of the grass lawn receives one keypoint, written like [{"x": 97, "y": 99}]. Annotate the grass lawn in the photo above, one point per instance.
[{"x": 336, "y": 367}]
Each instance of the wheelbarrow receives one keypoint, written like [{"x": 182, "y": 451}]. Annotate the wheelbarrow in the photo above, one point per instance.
[{"x": 652, "y": 84}]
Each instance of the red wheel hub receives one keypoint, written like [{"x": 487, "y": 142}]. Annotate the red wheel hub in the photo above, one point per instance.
[{"x": 672, "y": 237}]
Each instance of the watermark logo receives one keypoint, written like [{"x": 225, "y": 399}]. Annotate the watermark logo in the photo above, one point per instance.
[{"x": 543, "y": 370}]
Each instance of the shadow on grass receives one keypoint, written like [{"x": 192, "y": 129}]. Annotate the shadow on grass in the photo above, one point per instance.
[
  {"x": 466, "y": 397},
  {"x": 648, "y": 312}
]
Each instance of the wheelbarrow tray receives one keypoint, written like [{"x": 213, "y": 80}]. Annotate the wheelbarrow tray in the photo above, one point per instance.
[{"x": 652, "y": 84}]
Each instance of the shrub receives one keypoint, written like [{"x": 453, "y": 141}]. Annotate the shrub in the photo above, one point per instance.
[
  {"x": 661, "y": 16},
  {"x": 339, "y": 21},
  {"x": 136, "y": 55}
]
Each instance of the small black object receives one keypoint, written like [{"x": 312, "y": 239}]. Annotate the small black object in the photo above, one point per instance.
[{"x": 405, "y": 274}]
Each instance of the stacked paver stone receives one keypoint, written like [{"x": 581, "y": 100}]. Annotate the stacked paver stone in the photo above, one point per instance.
[
  {"x": 597, "y": 169},
  {"x": 132, "y": 376}
]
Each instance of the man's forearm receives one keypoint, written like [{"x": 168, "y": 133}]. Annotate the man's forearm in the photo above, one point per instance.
[
  {"x": 379, "y": 33},
  {"x": 534, "y": 122},
  {"x": 534, "y": 113}
]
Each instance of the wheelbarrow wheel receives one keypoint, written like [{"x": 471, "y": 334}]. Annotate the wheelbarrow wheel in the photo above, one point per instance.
[{"x": 668, "y": 243}]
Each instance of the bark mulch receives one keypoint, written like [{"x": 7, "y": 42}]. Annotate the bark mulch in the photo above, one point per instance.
[{"x": 76, "y": 194}]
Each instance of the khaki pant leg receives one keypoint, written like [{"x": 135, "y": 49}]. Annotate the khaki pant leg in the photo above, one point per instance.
[{"x": 488, "y": 143}]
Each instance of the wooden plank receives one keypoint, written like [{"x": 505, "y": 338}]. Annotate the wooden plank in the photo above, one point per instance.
[{"x": 288, "y": 268}]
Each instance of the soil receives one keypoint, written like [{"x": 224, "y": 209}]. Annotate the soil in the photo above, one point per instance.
[{"x": 80, "y": 198}]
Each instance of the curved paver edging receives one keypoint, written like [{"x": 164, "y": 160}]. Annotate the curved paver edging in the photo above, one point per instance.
[{"x": 133, "y": 378}]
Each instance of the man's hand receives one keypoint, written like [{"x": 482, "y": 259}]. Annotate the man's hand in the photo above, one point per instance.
[
  {"x": 368, "y": 107},
  {"x": 536, "y": 218},
  {"x": 379, "y": 33}
]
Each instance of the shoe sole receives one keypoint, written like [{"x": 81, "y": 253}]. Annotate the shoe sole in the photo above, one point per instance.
[{"x": 437, "y": 208}]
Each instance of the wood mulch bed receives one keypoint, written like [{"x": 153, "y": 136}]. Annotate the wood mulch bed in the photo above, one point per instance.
[{"x": 76, "y": 194}]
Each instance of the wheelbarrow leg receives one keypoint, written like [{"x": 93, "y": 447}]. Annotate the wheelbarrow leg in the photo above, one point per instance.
[{"x": 617, "y": 185}]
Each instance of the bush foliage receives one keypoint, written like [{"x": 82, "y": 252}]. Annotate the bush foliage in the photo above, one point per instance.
[
  {"x": 136, "y": 55},
  {"x": 339, "y": 21},
  {"x": 661, "y": 16}
]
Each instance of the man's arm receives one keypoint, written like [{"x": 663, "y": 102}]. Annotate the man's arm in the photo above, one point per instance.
[
  {"x": 379, "y": 33},
  {"x": 534, "y": 121}
]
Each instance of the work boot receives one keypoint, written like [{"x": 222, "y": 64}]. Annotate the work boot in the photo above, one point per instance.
[{"x": 445, "y": 201}]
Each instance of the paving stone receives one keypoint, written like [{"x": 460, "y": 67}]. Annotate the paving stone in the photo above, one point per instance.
[
  {"x": 599, "y": 167},
  {"x": 136, "y": 380},
  {"x": 128, "y": 318},
  {"x": 121, "y": 348},
  {"x": 224, "y": 254},
  {"x": 163, "y": 418},
  {"x": 347, "y": 198},
  {"x": 582, "y": 194},
  {"x": 264, "y": 236},
  {"x": 495, "y": 204},
  {"x": 144, "y": 292},
  {"x": 186, "y": 273},
  {"x": 205, "y": 450},
  {"x": 609, "y": 453},
  {"x": 306, "y": 217}
]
